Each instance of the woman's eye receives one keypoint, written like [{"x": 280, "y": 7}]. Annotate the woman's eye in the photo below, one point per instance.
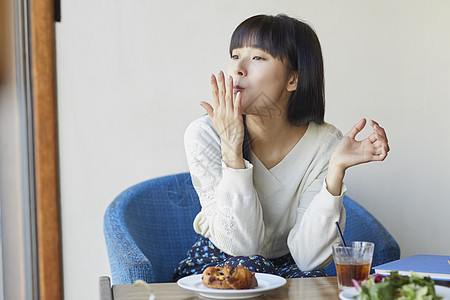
[
  {"x": 234, "y": 56},
  {"x": 258, "y": 58}
]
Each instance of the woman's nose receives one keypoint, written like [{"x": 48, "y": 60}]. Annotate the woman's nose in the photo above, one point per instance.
[{"x": 239, "y": 69}]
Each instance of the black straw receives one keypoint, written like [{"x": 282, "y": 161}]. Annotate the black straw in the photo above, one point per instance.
[{"x": 340, "y": 234}]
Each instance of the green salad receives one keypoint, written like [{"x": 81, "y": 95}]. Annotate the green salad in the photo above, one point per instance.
[{"x": 397, "y": 287}]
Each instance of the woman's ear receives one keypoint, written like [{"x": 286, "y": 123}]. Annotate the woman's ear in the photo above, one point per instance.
[{"x": 292, "y": 83}]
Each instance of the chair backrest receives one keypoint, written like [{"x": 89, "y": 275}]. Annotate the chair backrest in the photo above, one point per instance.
[
  {"x": 158, "y": 215},
  {"x": 155, "y": 216}
]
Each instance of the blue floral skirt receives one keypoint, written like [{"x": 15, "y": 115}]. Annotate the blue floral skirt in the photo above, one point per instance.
[{"x": 205, "y": 254}]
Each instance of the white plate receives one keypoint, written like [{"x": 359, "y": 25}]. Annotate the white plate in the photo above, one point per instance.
[
  {"x": 349, "y": 294},
  {"x": 266, "y": 282}
]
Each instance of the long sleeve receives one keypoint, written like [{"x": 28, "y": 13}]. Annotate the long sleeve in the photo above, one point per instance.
[
  {"x": 314, "y": 232},
  {"x": 231, "y": 215}
]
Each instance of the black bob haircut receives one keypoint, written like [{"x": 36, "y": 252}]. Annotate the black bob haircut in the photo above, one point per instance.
[{"x": 296, "y": 44}]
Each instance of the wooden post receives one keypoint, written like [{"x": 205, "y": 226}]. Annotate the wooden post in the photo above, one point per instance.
[{"x": 43, "y": 62}]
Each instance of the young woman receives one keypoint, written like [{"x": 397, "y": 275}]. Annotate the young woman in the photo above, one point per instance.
[{"x": 267, "y": 169}]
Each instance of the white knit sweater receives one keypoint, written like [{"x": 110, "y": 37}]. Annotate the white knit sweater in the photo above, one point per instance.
[{"x": 267, "y": 212}]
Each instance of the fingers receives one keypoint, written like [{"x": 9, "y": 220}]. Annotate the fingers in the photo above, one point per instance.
[
  {"x": 379, "y": 154},
  {"x": 380, "y": 146},
  {"x": 376, "y": 137},
  {"x": 209, "y": 109},
  {"x": 222, "y": 90},
  {"x": 229, "y": 92},
  {"x": 373, "y": 137},
  {"x": 214, "y": 90},
  {"x": 380, "y": 135},
  {"x": 375, "y": 147},
  {"x": 237, "y": 104},
  {"x": 378, "y": 129},
  {"x": 356, "y": 128}
]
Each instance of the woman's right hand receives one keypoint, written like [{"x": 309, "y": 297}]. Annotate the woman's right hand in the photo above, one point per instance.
[{"x": 226, "y": 116}]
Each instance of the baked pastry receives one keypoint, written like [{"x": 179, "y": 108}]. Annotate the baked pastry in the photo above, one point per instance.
[
  {"x": 215, "y": 277},
  {"x": 242, "y": 278},
  {"x": 229, "y": 278}
]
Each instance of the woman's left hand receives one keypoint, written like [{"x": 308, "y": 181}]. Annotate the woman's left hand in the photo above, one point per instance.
[{"x": 350, "y": 152}]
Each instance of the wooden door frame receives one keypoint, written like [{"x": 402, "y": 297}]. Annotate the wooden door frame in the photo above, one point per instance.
[{"x": 43, "y": 67}]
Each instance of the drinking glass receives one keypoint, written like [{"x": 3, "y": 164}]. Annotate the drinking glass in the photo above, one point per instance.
[{"x": 352, "y": 262}]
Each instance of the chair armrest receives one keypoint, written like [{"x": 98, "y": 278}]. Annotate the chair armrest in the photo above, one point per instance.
[
  {"x": 361, "y": 225},
  {"x": 127, "y": 261}
]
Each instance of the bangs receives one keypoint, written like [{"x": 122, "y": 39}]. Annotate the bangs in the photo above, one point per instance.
[{"x": 267, "y": 33}]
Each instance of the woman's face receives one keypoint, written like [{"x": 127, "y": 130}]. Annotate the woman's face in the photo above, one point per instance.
[{"x": 261, "y": 79}]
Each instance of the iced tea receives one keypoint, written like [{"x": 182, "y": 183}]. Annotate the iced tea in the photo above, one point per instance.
[
  {"x": 346, "y": 273},
  {"x": 352, "y": 262}
]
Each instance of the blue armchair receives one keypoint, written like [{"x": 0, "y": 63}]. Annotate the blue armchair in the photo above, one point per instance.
[{"x": 148, "y": 230}]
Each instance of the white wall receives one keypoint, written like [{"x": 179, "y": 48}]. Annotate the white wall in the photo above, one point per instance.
[{"x": 131, "y": 75}]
